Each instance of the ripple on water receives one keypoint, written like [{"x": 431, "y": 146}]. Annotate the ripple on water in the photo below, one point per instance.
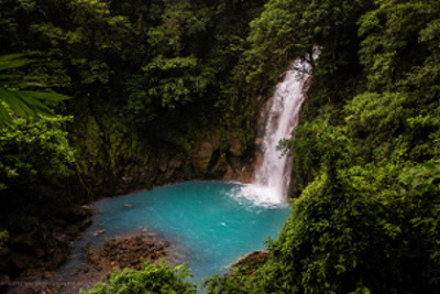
[{"x": 211, "y": 223}]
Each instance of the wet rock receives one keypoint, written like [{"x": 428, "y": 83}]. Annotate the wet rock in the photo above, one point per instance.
[
  {"x": 173, "y": 165},
  {"x": 163, "y": 166},
  {"x": 100, "y": 232},
  {"x": 88, "y": 208},
  {"x": 61, "y": 238},
  {"x": 236, "y": 147},
  {"x": 87, "y": 246},
  {"x": 84, "y": 223},
  {"x": 127, "y": 252},
  {"x": 202, "y": 157},
  {"x": 127, "y": 180},
  {"x": 259, "y": 144},
  {"x": 48, "y": 275},
  {"x": 221, "y": 167}
]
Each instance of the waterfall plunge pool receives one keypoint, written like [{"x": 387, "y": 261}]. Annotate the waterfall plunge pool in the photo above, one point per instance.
[{"x": 211, "y": 224}]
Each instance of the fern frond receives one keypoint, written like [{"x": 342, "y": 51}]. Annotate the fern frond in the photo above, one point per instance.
[
  {"x": 45, "y": 95},
  {"x": 10, "y": 77},
  {"x": 11, "y": 61},
  {"x": 22, "y": 103},
  {"x": 4, "y": 114},
  {"x": 17, "y": 105},
  {"x": 35, "y": 105}
]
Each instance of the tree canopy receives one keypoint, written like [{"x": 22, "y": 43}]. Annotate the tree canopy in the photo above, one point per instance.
[{"x": 365, "y": 218}]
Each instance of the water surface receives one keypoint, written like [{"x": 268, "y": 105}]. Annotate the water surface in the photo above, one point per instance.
[{"x": 211, "y": 223}]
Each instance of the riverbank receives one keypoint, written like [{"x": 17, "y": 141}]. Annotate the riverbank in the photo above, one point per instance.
[
  {"x": 97, "y": 262},
  {"x": 44, "y": 241}
]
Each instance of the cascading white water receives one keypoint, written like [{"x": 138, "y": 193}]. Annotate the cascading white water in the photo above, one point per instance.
[{"x": 272, "y": 177}]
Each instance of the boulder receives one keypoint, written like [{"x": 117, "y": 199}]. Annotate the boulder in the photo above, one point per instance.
[
  {"x": 84, "y": 223},
  {"x": 236, "y": 147},
  {"x": 221, "y": 166},
  {"x": 173, "y": 165},
  {"x": 61, "y": 238},
  {"x": 202, "y": 157},
  {"x": 163, "y": 166},
  {"x": 127, "y": 180},
  {"x": 48, "y": 275},
  {"x": 259, "y": 144}
]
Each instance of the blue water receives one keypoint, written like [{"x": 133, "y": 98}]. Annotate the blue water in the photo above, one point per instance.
[{"x": 209, "y": 222}]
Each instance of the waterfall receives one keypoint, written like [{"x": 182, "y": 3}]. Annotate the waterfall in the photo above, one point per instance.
[{"x": 272, "y": 176}]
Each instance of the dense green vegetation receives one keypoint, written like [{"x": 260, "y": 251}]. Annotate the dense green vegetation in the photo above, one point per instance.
[
  {"x": 146, "y": 80},
  {"x": 367, "y": 154},
  {"x": 150, "y": 279},
  {"x": 366, "y": 150},
  {"x": 137, "y": 71}
]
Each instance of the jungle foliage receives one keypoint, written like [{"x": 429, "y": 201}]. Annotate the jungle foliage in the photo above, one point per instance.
[
  {"x": 150, "y": 279},
  {"x": 367, "y": 154},
  {"x": 138, "y": 71}
]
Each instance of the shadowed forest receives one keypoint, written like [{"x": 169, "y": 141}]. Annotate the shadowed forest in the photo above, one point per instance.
[{"x": 96, "y": 95}]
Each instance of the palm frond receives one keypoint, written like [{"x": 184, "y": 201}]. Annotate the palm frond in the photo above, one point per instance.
[
  {"x": 36, "y": 105},
  {"x": 10, "y": 77},
  {"x": 16, "y": 104},
  {"x": 11, "y": 61},
  {"x": 22, "y": 103},
  {"x": 45, "y": 95},
  {"x": 4, "y": 114}
]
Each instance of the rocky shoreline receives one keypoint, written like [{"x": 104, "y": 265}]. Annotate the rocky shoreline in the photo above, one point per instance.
[
  {"x": 97, "y": 262},
  {"x": 33, "y": 256},
  {"x": 34, "y": 253}
]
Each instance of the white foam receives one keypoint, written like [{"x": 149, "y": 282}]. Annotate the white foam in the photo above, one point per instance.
[{"x": 272, "y": 177}]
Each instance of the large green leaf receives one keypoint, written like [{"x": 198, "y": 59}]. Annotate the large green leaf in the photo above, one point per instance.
[
  {"x": 45, "y": 95},
  {"x": 11, "y": 61},
  {"x": 4, "y": 114},
  {"x": 22, "y": 103},
  {"x": 16, "y": 104}
]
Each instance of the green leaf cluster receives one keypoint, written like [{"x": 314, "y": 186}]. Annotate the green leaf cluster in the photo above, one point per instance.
[
  {"x": 34, "y": 149},
  {"x": 150, "y": 72},
  {"x": 16, "y": 90},
  {"x": 142, "y": 73},
  {"x": 366, "y": 151},
  {"x": 150, "y": 279}
]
